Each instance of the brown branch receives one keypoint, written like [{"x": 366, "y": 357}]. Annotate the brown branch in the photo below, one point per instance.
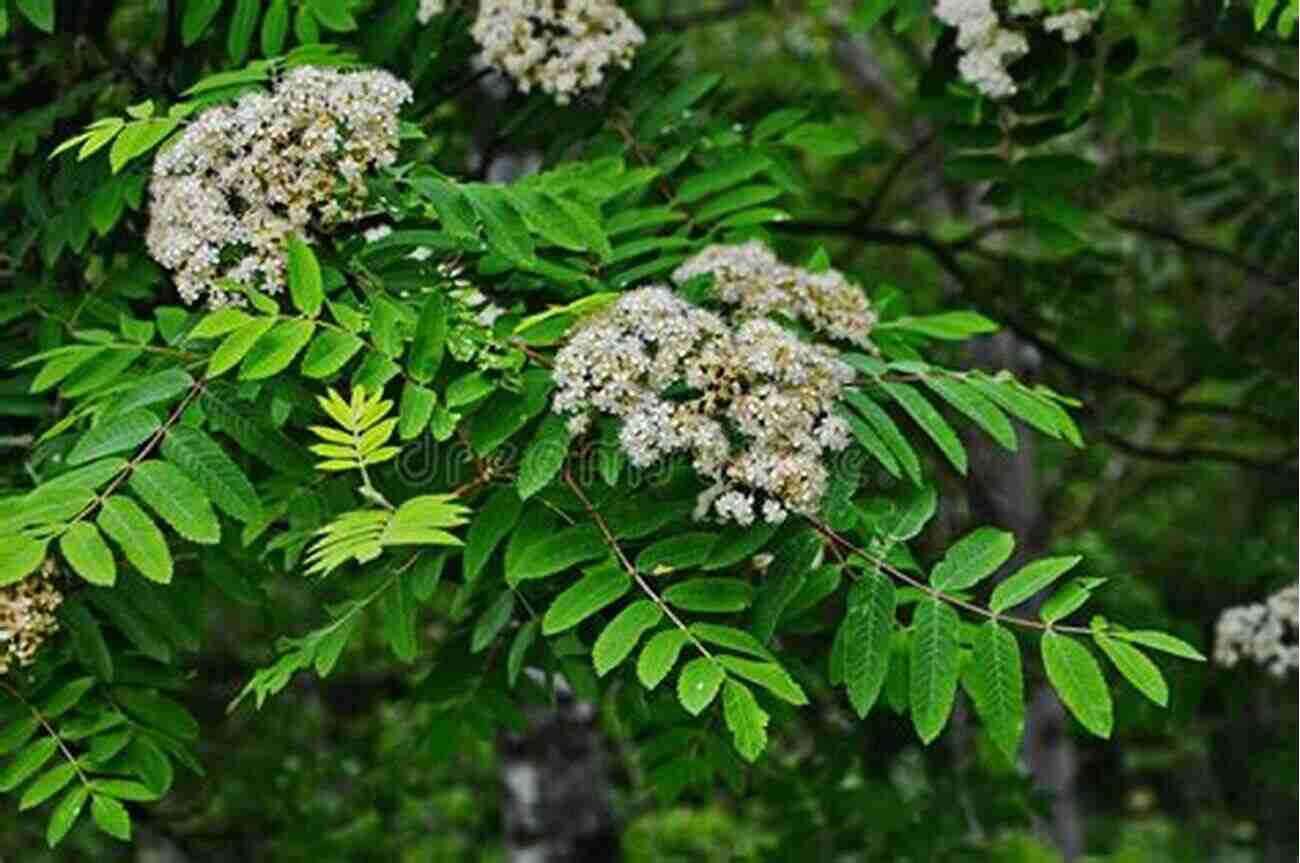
[{"x": 897, "y": 573}]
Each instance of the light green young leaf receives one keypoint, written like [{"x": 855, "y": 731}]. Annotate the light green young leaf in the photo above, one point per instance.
[
  {"x": 617, "y": 641},
  {"x": 954, "y": 326},
  {"x": 138, "y": 537},
  {"x": 138, "y": 138},
  {"x": 1077, "y": 678},
  {"x": 176, "y": 498},
  {"x": 934, "y": 666}
]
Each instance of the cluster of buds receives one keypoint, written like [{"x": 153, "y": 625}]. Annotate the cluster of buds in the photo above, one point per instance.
[{"x": 27, "y": 617}]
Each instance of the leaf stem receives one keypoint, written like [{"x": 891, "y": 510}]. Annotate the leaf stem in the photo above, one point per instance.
[
  {"x": 49, "y": 730},
  {"x": 631, "y": 570},
  {"x": 897, "y": 573}
]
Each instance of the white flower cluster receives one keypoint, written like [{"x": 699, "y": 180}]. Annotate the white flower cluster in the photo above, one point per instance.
[
  {"x": 1263, "y": 632},
  {"x": 754, "y": 280},
  {"x": 428, "y": 8},
  {"x": 27, "y": 617},
  {"x": 749, "y": 402},
  {"x": 988, "y": 47},
  {"x": 243, "y": 178},
  {"x": 1072, "y": 25},
  {"x": 561, "y": 46}
]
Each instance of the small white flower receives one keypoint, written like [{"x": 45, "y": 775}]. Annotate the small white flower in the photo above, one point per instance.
[
  {"x": 1264, "y": 633},
  {"x": 561, "y": 46}
]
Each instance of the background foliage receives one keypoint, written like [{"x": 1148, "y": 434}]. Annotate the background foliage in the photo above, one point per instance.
[{"x": 1129, "y": 219}]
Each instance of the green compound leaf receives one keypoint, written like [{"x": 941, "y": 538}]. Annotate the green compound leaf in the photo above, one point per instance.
[
  {"x": 698, "y": 684},
  {"x": 768, "y": 675},
  {"x": 88, "y": 554},
  {"x": 274, "y": 351},
  {"x": 543, "y": 458},
  {"x": 1029, "y": 580},
  {"x": 1077, "y": 678},
  {"x": 114, "y": 434},
  {"x": 204, "y": 461},
  {"x": 65, "y": 814},
  {"x": 866, "y": 633},
  {"x": 972, "y": 558},
  {"x": 659, "y": 656},
  {"x": 1136, "y": 667},
  {"x": 306, "y": 287},
  {"x": 930, "y": 421},
  {"x": 710, "y": 595},
  {"x": 620, "y": 637},
  {"x": 746, "y": 720},
  {"x": 138, "y": 537},
  {"x": 176, "y": 498},
  {"x": 934, "y": 666},
  {"x": 111, "y": 817},
  {"x": 996, "y": 685},
  {"x": 595, "y": 590}
]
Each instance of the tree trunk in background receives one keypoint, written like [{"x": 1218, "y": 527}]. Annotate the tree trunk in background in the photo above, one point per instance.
[
  {"x": 556, "y": 807},
  {"x": 1005, "y": 492}
]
